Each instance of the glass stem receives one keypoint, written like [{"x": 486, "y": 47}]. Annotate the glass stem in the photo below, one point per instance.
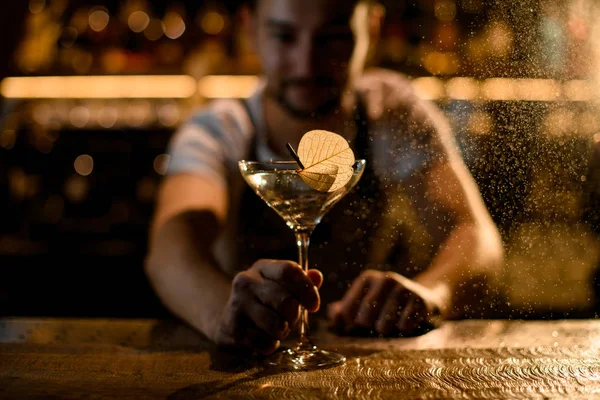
[{"x": 303, "y": 240}]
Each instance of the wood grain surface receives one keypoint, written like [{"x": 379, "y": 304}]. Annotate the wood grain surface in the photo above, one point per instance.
[{"x": 146, "y": 359}]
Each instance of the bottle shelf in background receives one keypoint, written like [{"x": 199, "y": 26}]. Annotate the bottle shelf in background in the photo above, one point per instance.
[{"x": 446, "y": 38}]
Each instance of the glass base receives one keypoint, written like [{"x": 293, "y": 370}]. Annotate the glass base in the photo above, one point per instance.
[{"x": 305, "y": 356}]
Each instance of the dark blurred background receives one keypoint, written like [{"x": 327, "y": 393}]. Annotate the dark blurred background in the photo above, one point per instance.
[{"x": 80, "y": 160}]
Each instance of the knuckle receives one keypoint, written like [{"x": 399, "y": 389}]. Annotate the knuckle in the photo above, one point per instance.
[
  {"x": 241, "y": 281},
  {"x": 288, "y": 271},
  {"x": 370, "y": 274},
  {"x": 261, "y": 263},
  {"x": 365, "y": 275}
]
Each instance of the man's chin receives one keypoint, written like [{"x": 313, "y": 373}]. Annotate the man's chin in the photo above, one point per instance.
[{"x": 305, "y": 110}]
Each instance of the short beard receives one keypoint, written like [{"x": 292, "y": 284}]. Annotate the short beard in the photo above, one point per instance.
[{"x": 323, "y": 109}]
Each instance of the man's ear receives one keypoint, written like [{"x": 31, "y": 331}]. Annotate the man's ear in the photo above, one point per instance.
[{"x": 249, "y": 25}]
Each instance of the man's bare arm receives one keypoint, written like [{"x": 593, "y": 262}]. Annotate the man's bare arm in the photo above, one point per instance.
[
  {"x": 254, "y": 310},
  {"x": 180, "y": 264},
  {"x": 473, "y": 248},
  {"x": 446, "y": 197}
]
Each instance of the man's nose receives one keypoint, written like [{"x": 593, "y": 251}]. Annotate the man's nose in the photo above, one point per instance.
[{"x": 305, "y": 58}]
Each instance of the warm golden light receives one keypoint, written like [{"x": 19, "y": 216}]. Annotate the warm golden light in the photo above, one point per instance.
[
  {"x": 499, "y": 89},
  {"x": 84, "y": 165},
  {"x": 472, "y": 6},
  {"x": 168, "y": 115},
  {"x": 174, "y": 26},
  {"x": 499, "y": 39},
  {"x": 76, "y": 188},
  {"x": 462, "y": 88},
  {"x": 68, "y": 36},
  {"x": 212, "y": 23},
  {"x": 538, "y": 90},
  {"x": 42, "y": 114},
  {"x": 559, "y": 122},
  {"x": 36, "y": 6},
  {"x": 578, "y": 90},
  {"x": 79, "y": 116},
  {"x": 226, "y": 86},
  {"x": 445, "y": 10},
  {"x": 154, "y": 30},
  {"x": 441, "y": 63},
  {"x": 114, "y": 61},
  {"x": 240, "y": 86},
  {"x": 108, "y": 116},
  {"x": 480, "y": 123},
  {"x": 588, "y": 123},
  {"x": 98, "y": 20},
  {"x": 138, "y": 21},
  {"x": 161, "y": 163},
  {"x": 138, "y": 113},
  {"x": 99, "y": 87},
  {"x": 429, "y": 88}
]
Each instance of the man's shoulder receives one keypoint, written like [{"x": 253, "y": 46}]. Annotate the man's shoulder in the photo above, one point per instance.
[{"x": 218, "y": 111}]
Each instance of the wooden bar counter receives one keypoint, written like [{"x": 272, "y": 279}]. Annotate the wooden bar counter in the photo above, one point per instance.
[{"x": 149, "y": 359}]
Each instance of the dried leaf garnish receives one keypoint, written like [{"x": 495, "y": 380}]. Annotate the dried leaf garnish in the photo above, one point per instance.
[{"x": 326, "y": 159}]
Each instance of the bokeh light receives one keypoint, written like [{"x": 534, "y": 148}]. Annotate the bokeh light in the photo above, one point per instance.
[
  {"x": 84, "y": 164},
  {"x": 212, "y": 23},
  {"x": 154, "y": 30},
  {"x": 98, "y": 19},
  {"x": 161, "y": 163},
  {"x": 138, "y": 21},
  {"x": 174, "y": 26},
  {"x": 445, "y": 10},
  {"x": 36, "y": 6}
]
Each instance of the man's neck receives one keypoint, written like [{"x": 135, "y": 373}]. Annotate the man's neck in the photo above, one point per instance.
[{"x": 282, "y": 127}]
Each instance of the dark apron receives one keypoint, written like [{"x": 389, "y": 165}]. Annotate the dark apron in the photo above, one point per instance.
[{"x": 340, "y": 244}]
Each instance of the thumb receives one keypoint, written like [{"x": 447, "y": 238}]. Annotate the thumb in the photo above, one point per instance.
[{"x": 316, "y": 277}]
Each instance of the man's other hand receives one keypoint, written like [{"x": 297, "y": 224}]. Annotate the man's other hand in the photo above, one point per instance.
[{"x": 388, "y": 304}]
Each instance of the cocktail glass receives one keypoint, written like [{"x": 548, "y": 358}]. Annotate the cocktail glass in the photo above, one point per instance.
[{"x": 302, "y": 208}]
